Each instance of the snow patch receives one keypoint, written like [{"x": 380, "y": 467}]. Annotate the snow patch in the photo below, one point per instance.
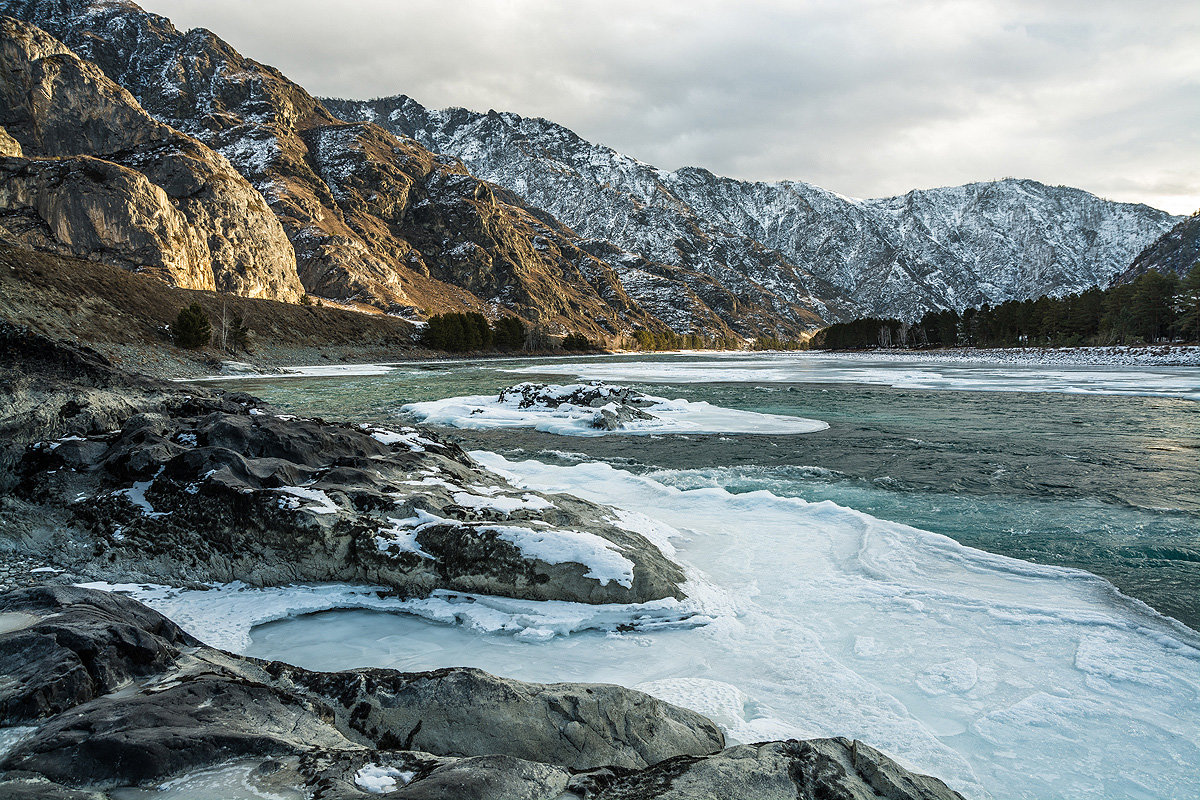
[
  {"x": 378, "y": 779},
  {"x": 482, "y": 412}
]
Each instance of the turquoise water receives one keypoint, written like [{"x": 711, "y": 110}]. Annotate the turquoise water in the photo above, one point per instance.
[{"x": 1039, "y": 463}]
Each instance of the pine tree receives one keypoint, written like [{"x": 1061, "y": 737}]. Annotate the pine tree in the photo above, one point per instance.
[
  {"x": 191, "y": 329},
  {"x": 239, "y": 335},
  {"x": 1187, "y": 305},
  {"x": 1152, "y": 312}
]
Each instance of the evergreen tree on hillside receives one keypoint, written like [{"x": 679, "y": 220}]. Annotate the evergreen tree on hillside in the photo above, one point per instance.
[
  {"x": 577, "y": 341},
  {"x": 1187, "y": 305},
  {"x": 239, "y": 335},
  {"x": 192, "y": 329},
  {"x": 508, "y": 333},
  {"x": 1152, "y": 313}
]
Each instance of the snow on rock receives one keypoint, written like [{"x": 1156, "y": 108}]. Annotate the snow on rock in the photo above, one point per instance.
[
  {"x": 321, "y": 504},
  {"x": 378, "y": 779},
  {"x": 790, "y": 245},
  {"x": 595, "y": 409},
  {"x": 602, "y": 557}
]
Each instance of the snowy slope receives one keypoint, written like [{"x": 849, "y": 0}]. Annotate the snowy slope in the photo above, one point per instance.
[{"x": 791, "y": 242}]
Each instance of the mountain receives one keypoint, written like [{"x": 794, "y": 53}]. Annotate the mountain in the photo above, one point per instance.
[
  {"x": 370, "y": 217},
  {"x": 86, "y": 171},
  {"x": 898, "y": 256},
  {"x": 1177, "y": 250},
  {"x": 131, "y": 142}
]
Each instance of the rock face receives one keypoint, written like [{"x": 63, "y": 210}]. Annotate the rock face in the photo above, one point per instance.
[
  {"x": 114, "y": 694},
  {"x": 90, "y": 173},
  {"x": 790, "y": 245},
  {"x": 372, "y": 218},
  {"x": 1177, "y": 250},
  {"x": 807, "y": 770},
  {"x": 201, "y": 487}
]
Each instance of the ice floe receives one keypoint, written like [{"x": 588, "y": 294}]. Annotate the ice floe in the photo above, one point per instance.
[{"x": 555, "y": 409}]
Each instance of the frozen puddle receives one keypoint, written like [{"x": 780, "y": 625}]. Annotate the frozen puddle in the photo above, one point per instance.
[
  {"x": 224, "y": 615},
  {"x": 240, "y": 779},
  {"x": 1004, "y": 678},
  {"x": 482, "y": 412}
]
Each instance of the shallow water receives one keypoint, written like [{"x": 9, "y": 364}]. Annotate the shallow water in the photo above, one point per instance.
[{"x": 1005, "y": 678}]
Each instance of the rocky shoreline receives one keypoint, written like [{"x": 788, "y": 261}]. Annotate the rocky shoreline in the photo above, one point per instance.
[{"x": 111, "y": 476}]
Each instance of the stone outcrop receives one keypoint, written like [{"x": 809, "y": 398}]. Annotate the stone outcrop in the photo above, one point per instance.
[
  {"x": 111, "y": 694},
  {"x": 157, "y": 484},
  {"x": 92, "y": 174},
  {"x": 793, "y": 770},
  {"x": 616, "y": 406}
]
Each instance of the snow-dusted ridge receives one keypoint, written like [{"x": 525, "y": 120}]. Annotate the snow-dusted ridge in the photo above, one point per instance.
[{"x": 789, "y": 243}]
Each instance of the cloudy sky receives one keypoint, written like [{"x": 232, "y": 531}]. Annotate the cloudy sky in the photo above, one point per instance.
[{"x": 865, "y": 97}]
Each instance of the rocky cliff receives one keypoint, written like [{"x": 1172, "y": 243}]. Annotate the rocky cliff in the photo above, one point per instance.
[
  {"x": 372, "y": 217},
  {"x": 88, "y": 172},
  {"x": 900, "y": 256},
  {"x": 1177, "y": 251}
]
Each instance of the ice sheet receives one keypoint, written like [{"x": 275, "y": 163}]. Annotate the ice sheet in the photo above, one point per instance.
[
  {"x": 1007, "y": 679},
  {"x": 909, "y": 372},
  {"x": 314, "y": 371}
]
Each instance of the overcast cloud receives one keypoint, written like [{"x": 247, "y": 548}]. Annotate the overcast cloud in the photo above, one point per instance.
[{"x": 865, "y": 97}]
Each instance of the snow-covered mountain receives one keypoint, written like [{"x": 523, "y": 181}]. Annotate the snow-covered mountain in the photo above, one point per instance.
[
  {"x": 1177, "y": 251},
  {"x": 792, "y": 243}
]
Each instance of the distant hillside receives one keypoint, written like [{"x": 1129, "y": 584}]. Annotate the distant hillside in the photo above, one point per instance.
[
  {"x": 1175, "y": 251},
  {"x": 125, "y": 316},
  {"x": 791, "y": 242}
]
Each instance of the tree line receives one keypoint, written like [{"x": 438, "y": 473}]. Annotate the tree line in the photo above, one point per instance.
[
  {"x": 1156, "y": 307},
  {"x": 471, "y": 332},
  {"x": 642, "y": 339}
]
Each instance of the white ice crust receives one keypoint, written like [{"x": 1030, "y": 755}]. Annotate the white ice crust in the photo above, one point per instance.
[
  {"x": 1005, "y": 678},
  {"x": 481, "y": 412},
  {"x": 984, "y": 372},
  {"x": 378, "y": 779},
  {"x": 225, "y": 614}
]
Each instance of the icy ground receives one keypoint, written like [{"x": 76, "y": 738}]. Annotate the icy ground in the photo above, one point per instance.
[{"x": 1005, "y": 678}]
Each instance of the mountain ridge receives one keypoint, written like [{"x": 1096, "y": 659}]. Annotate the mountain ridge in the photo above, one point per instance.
[{"x": 873, "y": 251}]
